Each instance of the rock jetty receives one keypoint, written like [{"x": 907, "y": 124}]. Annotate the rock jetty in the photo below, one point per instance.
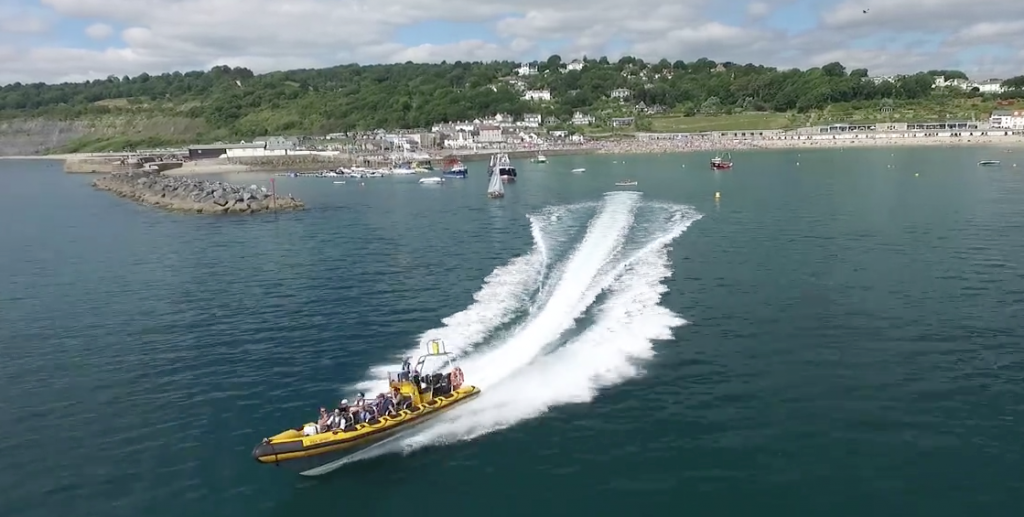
[{"x": 185, "y": 194}]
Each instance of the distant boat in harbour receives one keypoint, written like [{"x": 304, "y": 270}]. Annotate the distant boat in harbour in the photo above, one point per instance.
[
  {"x": 721, "y": 162},
  {"x": 454, "y": 168},
  {"x": 581, "y": 170},
  {"x": 501, "y": 166},
  {"x": 989, "y": 163}
]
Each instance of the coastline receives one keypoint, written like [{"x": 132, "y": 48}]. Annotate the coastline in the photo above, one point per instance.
[{"x": 627, "y": 146}]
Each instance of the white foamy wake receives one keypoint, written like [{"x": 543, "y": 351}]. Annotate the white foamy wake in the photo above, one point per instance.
[
  {"x": 505, "y": 291},
  {"x": 623, "y": 331}
]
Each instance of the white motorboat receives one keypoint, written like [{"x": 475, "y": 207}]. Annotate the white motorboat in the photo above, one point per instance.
[
  {"x": 581, "y": 170},
  {"x": 433, "y": 180},
  {"x": 627, "y": 183}
]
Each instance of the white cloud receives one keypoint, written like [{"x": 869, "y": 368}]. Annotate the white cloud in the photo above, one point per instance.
[
  {"x": 99, "y": 31},
  {"x": 165, "y": 35}
]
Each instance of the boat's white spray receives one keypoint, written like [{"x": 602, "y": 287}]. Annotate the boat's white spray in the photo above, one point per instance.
[
  {"x": 623, "y": 332},
  {"x": 505, "y": 292}
]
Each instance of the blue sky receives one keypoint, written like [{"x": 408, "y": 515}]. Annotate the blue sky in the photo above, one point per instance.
[{"x": 74, "y": 39}]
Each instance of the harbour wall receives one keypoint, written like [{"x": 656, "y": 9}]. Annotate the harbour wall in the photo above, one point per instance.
[{"x": 184, "y": 194}]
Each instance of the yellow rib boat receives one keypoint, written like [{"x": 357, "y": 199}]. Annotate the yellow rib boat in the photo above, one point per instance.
[{"x": 417, "y": 395}]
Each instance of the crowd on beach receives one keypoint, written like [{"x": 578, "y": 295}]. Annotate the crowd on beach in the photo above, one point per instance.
[
  {"x": 693, "y": 144},
  {"x": 718, "y": 143}
]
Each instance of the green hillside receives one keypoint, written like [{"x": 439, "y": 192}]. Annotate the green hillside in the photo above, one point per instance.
[{"x": 233, "y": 103}]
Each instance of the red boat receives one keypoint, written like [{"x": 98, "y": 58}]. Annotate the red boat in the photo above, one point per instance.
[{"x": 721, "y": 162}]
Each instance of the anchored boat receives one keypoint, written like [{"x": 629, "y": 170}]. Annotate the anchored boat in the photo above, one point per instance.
[
  {"x": 626, "y": 183},
  {"x": 454, "y": 168},
  {"x": 721, "y": 162},
  {"x": 416, "y": 395},
  {"x": 501, "y": 165},
  {"x": 989, "y": 163}
]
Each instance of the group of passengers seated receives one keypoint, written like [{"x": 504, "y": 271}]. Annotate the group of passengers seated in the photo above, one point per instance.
[{"x": 346, "y": 416}]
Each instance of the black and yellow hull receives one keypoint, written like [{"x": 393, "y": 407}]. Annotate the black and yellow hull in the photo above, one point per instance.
[{"x": 311, "y": 454}]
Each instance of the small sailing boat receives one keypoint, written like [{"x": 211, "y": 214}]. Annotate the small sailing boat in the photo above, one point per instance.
[
  {"x": 495, "y": 187},
  {"x": 721, "y": 162},
  {"x": 988, "y": 163}
]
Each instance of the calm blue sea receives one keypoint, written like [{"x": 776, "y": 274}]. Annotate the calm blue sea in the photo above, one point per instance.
[{"x": 838, "y": 337}]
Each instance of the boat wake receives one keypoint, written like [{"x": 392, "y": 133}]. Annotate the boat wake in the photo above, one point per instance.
[{"x": 621, "y": 260}]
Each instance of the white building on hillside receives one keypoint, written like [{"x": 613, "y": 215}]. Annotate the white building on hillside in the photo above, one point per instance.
[
  {"x": 527, "y": 69},
  {"x": 581, "y": 119},
  {"x": 989, "y": 86},
  {"x": 576, "y": 64},
  {"x": 1006, "y": 119},
  {"x": 942, "y": 82},
  {"x": 537, "y": 95},
  {"x": 532, "y": 120}
]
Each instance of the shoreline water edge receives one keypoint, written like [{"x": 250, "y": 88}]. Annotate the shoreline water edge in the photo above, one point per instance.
[{"x": 652, "y": 143}]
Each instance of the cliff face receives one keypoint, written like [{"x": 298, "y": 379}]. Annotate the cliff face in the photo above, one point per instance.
[{"x": 34, "y": 136}]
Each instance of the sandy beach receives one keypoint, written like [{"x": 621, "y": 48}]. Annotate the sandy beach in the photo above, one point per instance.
[
  {"x": 637, "y": 146},
  {"x": 696, "y": 144}
]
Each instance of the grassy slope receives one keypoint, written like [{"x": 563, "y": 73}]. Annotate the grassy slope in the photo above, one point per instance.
[{"x": 143, "y": 125}]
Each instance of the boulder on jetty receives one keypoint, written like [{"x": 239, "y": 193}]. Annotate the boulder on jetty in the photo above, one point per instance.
[{"x": 185, "y": 194}]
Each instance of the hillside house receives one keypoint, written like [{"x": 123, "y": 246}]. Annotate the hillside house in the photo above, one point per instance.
[
  {"x": 581, "y": 119},
  {"x": 1006, "y": 119},
  {"x": 989, "y": 86},
  {"x": 532, "y": 120},
  {"x": 527, "y": 69},
  {"x": 488, "y": 134},
  {"x": 537, "y": 95},
  {"x": 619, "y": 93}
]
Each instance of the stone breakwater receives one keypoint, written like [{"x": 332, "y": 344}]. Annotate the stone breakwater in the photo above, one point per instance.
[{"x": 185, "y": 194}]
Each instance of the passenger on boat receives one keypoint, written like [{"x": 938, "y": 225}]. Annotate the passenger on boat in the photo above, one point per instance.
[
  {"x": 406, "y": 368},
  {"x": 338, "y": 420},
  {"x": 322, "y": 424},
  {"x": 385, "y": 405}
]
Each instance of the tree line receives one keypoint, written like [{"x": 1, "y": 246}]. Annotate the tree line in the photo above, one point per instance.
[{"x": 237, "y": 102}]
